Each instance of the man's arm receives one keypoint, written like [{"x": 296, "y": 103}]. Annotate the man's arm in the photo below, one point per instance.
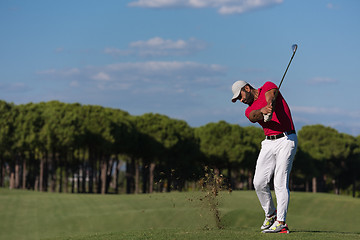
[{"x": 257, "y": 115}]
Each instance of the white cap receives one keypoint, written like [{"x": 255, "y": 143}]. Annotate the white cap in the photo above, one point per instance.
[{"x": 236, "y": 89}]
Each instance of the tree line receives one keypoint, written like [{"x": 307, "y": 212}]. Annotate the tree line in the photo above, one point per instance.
[{"x": 62, "y": 147}]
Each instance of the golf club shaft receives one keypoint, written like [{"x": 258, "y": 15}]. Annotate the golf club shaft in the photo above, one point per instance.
[
  {"x": 294, "y": 51},
  {"x": 268, "y": 117},
  {"x": 288, "y": 66}
]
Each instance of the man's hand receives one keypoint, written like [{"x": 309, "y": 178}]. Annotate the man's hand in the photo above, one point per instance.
[
  {"x": 267, "y": 112},
  {"x": 257, "y": 115},
  {"x": 267, "y": 109},
  {"x": 270, "y": 107}
]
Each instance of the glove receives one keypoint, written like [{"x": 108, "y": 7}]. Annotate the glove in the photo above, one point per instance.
[{"x": 267, "y": 117}]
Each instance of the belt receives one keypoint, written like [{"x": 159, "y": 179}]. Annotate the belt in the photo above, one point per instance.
[{"x": 274, "y": 137}]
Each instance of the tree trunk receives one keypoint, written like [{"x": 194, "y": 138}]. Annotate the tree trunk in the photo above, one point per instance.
[
  {"x": 137, "y": 177},
  {"x": 91, "y": 180},
  {"x": 24, "y": 175},
  {"x": 41, "y": 176},
  {"x": 337, "y": 186},
  {"x": 1, "y": 173},
  {"x": 354, "y": 186},
  {"x": 103, "y": 176},
  {"x": 84, "y": 173},
  {"x": 109, "y": 169},
  {"x": 145, "y": 177},
  {"x": 250, "y": 180},
  {"x": 53, "y": 167},
  {"x": 91, "y": 171},
  {"x": 36, "y": 183},
  {"x": 307, "y": 186},
  {"x": 17, "y": 174},
  {"x": 61, "y": 180},
  {"x": 324, "y": 187},
  {"x": 230, "y": 179},
  {"x": 169, "y": 181},
  {"x": 314, "y": 185},
  {"x": 151, "y": 177},
  {"x": 118, "y": 166},
  {"x": 83, "y": 178},
  {"x": 66, "y": 180},
  {"x": 98, "y": 177},
  {"x": 46, "y": 172},
  {"x": 12, "y": 180},
  {"x": 78, "y": 180},
  {"x": 130, "y": 171},
  {"x": 73, "y": 183}
]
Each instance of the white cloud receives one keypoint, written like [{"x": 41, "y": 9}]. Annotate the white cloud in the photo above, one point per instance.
[
  {"x": 150, "y": 74},
  {"x": 74, "y": 84},
  {"x": 158, "y": 42},
  {"x": 172, "y": 70},
  {"x": 158, "y": 46},
  {"x": 154, "y": 3},
  {"x": 72, "y": 71},
  {"x": 223, "y": 6},
  {"x": 117, "y": 52},
  {"x": 13, "y": 87},
  {"x": 101, "y": 76},
  {"x": 239, "y": 7}
]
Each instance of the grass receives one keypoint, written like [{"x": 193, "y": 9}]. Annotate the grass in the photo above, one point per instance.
[{"x": 33, "y": 215}]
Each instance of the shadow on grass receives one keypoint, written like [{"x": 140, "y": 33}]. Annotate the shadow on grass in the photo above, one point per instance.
[{"x": 319, "y": 231}]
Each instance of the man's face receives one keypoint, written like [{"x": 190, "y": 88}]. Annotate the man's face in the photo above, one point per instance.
[{"x": 246, "y": 96}]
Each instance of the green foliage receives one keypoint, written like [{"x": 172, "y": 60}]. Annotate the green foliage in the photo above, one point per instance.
[
  {"x": 323, "y": 151},
  {"x": 6, "y": 128},
  {"x": 50, "y": 140},
  {"x": 171, "y": 144},
  {"x": 227, "y": 143}
]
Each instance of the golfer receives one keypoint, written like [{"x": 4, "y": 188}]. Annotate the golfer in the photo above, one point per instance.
[{"x": 277, "y": 150}]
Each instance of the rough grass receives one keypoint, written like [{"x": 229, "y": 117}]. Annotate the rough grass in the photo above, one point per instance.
[{"x": 33, "y": 215}]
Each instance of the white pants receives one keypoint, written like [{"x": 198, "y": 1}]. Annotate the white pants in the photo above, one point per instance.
[{"x": 275, "y": 159}]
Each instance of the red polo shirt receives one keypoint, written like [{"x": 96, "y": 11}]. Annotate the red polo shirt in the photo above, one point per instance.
[{"x": 281, "y": 120}]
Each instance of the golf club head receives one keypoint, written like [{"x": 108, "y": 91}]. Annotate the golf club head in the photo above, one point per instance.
[{"x": 294, "y": 47}]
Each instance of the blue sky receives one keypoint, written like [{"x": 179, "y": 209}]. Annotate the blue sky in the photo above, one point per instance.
[{"x": 180, "y": 57}]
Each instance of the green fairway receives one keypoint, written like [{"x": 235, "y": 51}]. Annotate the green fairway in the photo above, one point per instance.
[{"x": 33, "y": 215}]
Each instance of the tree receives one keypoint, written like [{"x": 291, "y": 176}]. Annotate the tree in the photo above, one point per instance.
[
  {"x": 157, "y": 137},
  {"x": 43, "y": 144},
  {"x": 230, "y": 147},
  {"x": 213, "y": 143},
  {"x": 6, "y": 133},
  {"x": 326, "y": 148},
  {"x": 28, "y": 123},
  {"x": 252, "y": 139},
  {"x": 182, "y": 156},
  {"x": 350, "y": 163},
  {"x": 98, "y": 125}
]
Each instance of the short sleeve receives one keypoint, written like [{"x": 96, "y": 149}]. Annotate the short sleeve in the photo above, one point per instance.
[{"x": 268, "y": 86}]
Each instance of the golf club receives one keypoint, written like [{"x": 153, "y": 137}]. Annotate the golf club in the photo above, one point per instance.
[
  {"x": 267, "y": 117},
  {"x": 294, "y": 48}
]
